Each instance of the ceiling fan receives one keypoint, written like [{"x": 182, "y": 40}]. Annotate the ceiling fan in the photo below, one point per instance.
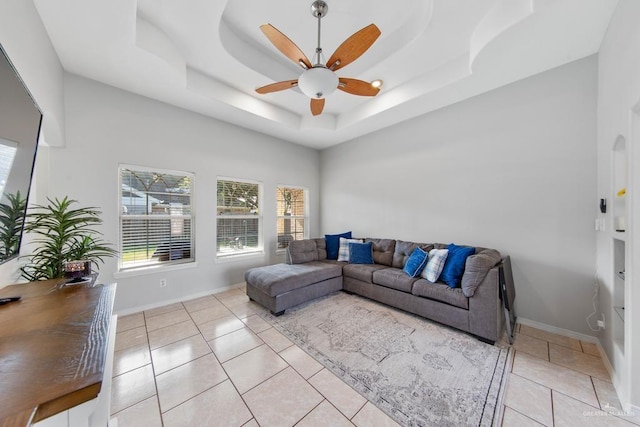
[{"x": 319, "y": 80}]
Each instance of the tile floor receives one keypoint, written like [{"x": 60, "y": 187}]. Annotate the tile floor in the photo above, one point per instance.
[
  {"x": 559, "y": 381},
  {"x": 212, "y": 361}
]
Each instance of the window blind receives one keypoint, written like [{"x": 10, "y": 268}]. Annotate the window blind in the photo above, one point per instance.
[
  {"x": 239, "y": 219},
  {"x": 156, "y": 218}
]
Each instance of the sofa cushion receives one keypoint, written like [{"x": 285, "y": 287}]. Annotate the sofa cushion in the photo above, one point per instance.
[
  {"x": 281, "y": 278},
  {"x": 301, "y": 251},
  {"x": 393, "y": 278},
  {"x": 362, "y": 272},
  {"x": 476, "y": 269},
  {"x": 454, "y": 265},
  {"x": 321, "y": 245},
  {"x": 440, "y": 292},
  {"x": 383, "y": 250},
  {"x": 416, "y": 262},
  {"x": 404, "y": 250},
  {"x": 437, "y": 258},
  {"x": 333, "y": 243},
  {"x": 361, "y": 253},
  {"x": 343, "y": 251}
]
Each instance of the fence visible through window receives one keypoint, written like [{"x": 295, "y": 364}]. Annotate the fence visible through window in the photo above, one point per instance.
[{"x": 156, "y": 219}]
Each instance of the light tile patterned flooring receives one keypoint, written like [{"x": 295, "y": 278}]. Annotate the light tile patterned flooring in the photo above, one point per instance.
[
  {"x": 559, "y": 381},
  {"x": 213, "y": 362}
]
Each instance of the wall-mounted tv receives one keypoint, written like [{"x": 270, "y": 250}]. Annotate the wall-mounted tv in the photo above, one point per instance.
[{"x": 20, "y": 120}]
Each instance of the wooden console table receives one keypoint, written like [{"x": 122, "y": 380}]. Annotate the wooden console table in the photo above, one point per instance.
[{"x": 53, "y": 348}]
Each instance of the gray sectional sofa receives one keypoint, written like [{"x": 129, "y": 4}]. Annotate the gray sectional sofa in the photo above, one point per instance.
[{"x": 475, "y": 307}]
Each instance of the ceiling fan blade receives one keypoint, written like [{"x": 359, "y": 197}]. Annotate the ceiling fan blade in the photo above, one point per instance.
[
  {"x": 353, "y": 47},
  {"x": 357, "y": 87},
  {"x": 285, "y": 45},
  {"x": 317, "y": 105},
  {"x": 275, "y": 87}
]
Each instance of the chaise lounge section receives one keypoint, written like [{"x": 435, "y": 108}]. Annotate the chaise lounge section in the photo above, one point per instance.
[{"x": 474, "y": 307}]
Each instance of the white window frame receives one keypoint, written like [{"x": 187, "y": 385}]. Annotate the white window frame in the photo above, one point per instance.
[
  {"x": 247, "y": 252},
  {"x": 304, "y": 217},
  {"x": 171, "y": 264}
]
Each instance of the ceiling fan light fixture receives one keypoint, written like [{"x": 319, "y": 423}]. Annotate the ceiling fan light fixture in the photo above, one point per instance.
[
  {"x": 318, "y": 82},
  {"x": 376, "y": 83}
]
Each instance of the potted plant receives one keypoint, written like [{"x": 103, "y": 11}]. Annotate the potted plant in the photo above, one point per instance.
[
  {"x": 63, "y": 234},
  {"x": 11, "y": 221}
]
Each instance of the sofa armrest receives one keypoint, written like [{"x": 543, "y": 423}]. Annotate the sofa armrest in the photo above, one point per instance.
[
  {"x": 476, "y": 268},
  {"x": 486, "y": 318}
]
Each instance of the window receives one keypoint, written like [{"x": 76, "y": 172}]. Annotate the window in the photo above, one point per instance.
[
  {"x": 7, "y": 153},
  {"x": 156, "y": 219},
  {"x": 292, "y": 215},
  {"x": 239, "y": 219}
]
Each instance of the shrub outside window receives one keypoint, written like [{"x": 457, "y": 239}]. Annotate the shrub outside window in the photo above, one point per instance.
[
  {"x": 239, "y": 217},
  {"x": 292, "y": 218},
  {"x": 156, "y": 217}
]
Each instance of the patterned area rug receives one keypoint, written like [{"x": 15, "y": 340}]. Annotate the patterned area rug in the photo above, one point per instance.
[{"x": 419, "y": 372}]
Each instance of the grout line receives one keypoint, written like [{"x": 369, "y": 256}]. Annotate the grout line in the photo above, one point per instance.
[
  {"x": 360, "y": 409},
  {"x": 153, "y": 370},
  {"x": 155, "y": 385},
  {"x": 553, "y": 409},
  {"x": 192, "y": 397},
  {"x": 524, "y": 415},
  {"x": 313, "y": 409},
  {"x": 180, "y": 339},
  {"x": 595, "y": 391},
  {"x": 227, "y": 374}
]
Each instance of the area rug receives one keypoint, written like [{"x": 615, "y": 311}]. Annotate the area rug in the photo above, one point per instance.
[{"x": 419, "y": 372}]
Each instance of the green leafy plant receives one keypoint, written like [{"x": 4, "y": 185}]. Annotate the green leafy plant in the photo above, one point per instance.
[
  {"x": 11, "y": 221},
  {"x": 63, "y": 234}
]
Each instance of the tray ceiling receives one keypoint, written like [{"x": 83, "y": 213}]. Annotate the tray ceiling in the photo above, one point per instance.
[{"x": 210, "y": 56}]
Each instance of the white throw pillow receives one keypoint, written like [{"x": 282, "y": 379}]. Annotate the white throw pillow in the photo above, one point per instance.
[
  {"x": 343, "y": 251},
  {"x": 434, "y": 267}
]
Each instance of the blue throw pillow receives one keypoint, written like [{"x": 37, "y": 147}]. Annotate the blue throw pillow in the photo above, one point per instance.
[
  {"x": 454, "y": 265},
  {"x": 416, "y": 262},
  {"x": 361, "y": 253},
  {"x": 333, "y": 243}
]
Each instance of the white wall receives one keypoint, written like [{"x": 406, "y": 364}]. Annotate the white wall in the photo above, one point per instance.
[
  {"x": 107, "y": 126},
  {"x": 619, "y": 94},
  {"x": 27, "y": 44},
  {"x": 513, "y": 169}
]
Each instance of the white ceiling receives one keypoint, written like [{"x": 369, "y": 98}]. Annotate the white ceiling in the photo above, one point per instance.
[{"x": 209, "y": 56}]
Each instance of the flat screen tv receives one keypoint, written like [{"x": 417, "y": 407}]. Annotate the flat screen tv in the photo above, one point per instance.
[{"x": 20, "y": 121}]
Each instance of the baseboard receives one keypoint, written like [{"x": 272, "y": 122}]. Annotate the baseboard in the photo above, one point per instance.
[
  {"x": 559, "y": 331},
  {"x": 572, "y": 334},
  {"x": 138, "y": 309}
]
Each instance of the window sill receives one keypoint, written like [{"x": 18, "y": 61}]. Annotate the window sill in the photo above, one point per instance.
[
  {"x": 142, "y": 271},
  {"x": 240, "y": 256}
]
